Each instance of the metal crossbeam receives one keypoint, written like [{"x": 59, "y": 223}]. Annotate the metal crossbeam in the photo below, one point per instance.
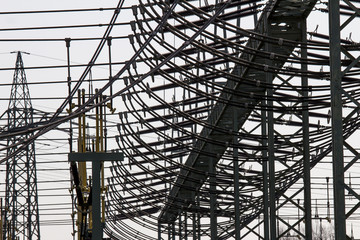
[{"x": 96, "y": 158}]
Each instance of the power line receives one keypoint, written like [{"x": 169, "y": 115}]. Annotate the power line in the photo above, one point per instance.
[
  {"x": 62, "y": 27},
  {"x": 62, "y": 11}
]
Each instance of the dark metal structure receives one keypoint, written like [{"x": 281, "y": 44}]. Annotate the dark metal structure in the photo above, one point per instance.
[
  {"x": 223, "y": 145},
  {"x": 21, "y": 202},
  {"x": 229, "y": 111}
]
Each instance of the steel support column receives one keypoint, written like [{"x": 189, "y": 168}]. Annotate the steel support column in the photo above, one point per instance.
[
  {"x": 336, "y": 120},
  {"x": 173, "y": 231},
  {"x": 185, "y": 226},
  {"x": 270, "y": 134},
  {"x": 169, "y": 231},
  {"x": 305, "y": 130},
  {"x": 194, "y": 225},
  {"x": 159, "y": 231},
  {"x": 96, "y": 212},
  {"x": 236, "y": 179},
  {"x": 180, "y": 225},
  {"x": 96, "y": 158},
  {"x": 212, "y": 181},
  {"x": 265, "y": 172},
  {"x": 198, "y": 216},
  {"x": 271, "y": 151}
]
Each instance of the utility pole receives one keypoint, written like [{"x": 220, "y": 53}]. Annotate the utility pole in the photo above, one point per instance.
[{"x": 21, "y": 183}]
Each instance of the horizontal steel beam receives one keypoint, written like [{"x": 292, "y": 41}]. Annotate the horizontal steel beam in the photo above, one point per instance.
[{"x": 95, "y": 156}]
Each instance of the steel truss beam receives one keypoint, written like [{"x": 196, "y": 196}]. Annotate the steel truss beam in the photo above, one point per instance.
[{"x": 221, "y": 113}]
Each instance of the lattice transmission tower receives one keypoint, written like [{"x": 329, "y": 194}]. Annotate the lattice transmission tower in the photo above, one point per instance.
[{"x": 21, "y": 202}]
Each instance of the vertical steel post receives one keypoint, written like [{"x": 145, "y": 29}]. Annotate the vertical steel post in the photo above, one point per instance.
[
  {"x": 173, "y": 230},
  {"x": 96, "y": 216},
  {"x": 80, "y": 149},
  {"x": 67, "y": 41},
  {"x": 169, "y": 232},
  {"x": 336, "y": 120},
  {"x": 194, "y": 225},
  {"x": 14, "y": 215},
  {"x": 185, "y": 226},
  {"x": 180, "y": 225},
  {"x": 159, "y": 231},
  {"x": 236, "y": 178},
  {"x": 270, "y": 133},
  {"x": 110, "y": 70},
  {"x": 265, "y": 171},
  {"x": 271, "y": 151},
  {"x": 96, "y": 158},
  {"x": 1, "y": 219},
  {"x": 305, "y": 129},
  {"x": 213, "y": 218},
  {"x": 198, "y": 216},
  {"x": 271, "y": 157}
]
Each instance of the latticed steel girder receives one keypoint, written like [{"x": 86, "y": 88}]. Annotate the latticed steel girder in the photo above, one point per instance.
[{"x": 281, "y": 21}]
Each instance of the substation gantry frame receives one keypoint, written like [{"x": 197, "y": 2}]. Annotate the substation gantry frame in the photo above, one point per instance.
[
  {"x": 88, "y": 191},
  {"x": 280, "y": 36},
  {"x": 206, "y": 187}
]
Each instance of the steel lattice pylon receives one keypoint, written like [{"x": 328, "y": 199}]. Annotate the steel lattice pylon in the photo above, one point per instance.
[{"x": 21, "y": 203}]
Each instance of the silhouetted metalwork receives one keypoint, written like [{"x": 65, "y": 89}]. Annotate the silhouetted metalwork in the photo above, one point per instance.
[
  {"x": 227, "y": 109},
  {"x": 21, "y": 202},
  {"x": 222, "y": 122}
]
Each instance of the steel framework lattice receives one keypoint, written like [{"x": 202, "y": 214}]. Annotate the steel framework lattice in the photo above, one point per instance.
[
  {"x": 21, "y": 202},
  {"x": 237, "y": 120},
  {"x": 222, "y": 122}
]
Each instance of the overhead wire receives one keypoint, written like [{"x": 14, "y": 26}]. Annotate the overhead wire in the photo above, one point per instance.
[{"x": 155, "y": 142}]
